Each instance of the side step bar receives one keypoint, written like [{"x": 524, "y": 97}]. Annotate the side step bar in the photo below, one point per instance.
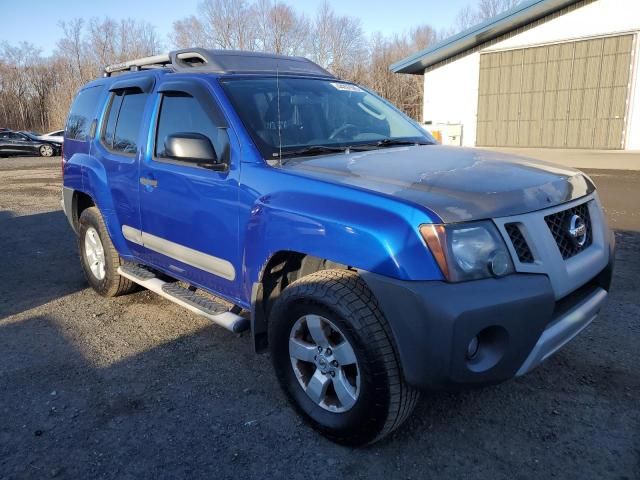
[{"x": 198, "y": 304}]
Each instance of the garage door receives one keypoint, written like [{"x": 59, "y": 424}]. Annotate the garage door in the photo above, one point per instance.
[{"x": 569, "y": 95}]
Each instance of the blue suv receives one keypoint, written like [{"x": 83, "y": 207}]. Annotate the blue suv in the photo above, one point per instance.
[{"x": 265, "y": 194}]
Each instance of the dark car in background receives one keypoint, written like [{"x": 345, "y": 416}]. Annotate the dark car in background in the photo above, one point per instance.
[
  {"x": 24, "y": 143},
  {"x": 57, "y": 136}
]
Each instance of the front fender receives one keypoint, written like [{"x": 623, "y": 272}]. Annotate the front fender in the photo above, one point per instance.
[{"x": 346, "y": 226}]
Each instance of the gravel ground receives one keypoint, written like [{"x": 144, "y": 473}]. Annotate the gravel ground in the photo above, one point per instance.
[{"x": 137, "y": 387}]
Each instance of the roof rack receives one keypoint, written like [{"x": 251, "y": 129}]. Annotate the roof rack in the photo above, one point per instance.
[
  {"x": 137, "y": 64},
  {"x": 222, "y": 61}
]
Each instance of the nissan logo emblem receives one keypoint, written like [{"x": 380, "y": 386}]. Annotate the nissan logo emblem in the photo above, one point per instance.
[{"x": 577, "y": 231}]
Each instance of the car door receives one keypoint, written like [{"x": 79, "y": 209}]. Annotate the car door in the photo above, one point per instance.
[
  {"x": 24, "y": 144},
  {"x": 189, "y": 213},
  {"x": 13, "y": 143},
  {"x": 122, "y": 135},
  {"x": 6, "y": 143}
]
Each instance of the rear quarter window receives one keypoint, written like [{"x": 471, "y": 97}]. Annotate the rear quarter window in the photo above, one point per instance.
[{"x": 82, "y": 114}]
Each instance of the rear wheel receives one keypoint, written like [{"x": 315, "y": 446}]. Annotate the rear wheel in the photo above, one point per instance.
[
  {"x": 98, "y": 256},
  {"x": 334, "y": 357},
  {"x": 46, "y": 151}
]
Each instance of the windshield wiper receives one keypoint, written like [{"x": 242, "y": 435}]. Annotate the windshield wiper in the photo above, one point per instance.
[
  {"x": 393, "y": 142},
  {"x": 326, "y": 149},
  {"x": 313, "y": 150}
]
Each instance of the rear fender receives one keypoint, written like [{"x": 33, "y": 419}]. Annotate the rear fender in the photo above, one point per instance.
[{"x": 85, "y": 174}]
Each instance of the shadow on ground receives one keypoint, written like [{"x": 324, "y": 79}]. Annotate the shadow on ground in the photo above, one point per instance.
[
  {"x": 38, "y": 259},
  {"x": 106, "y": 395}
]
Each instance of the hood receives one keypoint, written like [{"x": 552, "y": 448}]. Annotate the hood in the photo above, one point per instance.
[{"x": 457, "y": 184}]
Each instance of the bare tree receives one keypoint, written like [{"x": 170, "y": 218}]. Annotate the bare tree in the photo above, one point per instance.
[
  {"x": 490, "y": 8},
  {"x": 35, "y": 92},
  {"x": 42, "y": 80},
  {"x": 72, "y": 47},
  {"x": 337, "y": 43},
  {"x": 27, "y": 82},
  {"x": 402, "y": 90},
  {"x": 471, "y": 15},
  {"x": 189, "y": 32},
  {"x": 228, "y": 24},
  {"x": 279, "y": 29}
]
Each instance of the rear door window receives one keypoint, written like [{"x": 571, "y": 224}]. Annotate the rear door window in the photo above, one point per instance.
[
  {"x": 108, "y": 132},
  {"x": 124, "y": 121},
  {"x": 82, "y": 114}
]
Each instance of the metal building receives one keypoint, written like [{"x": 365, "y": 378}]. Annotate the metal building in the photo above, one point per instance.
[{"x": 547, "y": 73}]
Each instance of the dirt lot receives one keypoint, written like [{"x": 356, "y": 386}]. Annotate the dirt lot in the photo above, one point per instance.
[{"x": 136, "y": 387}]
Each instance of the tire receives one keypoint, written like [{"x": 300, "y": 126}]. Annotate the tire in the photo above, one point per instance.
[
  {"x": 383, "y": 399},
  {"x": 106, "y": 280},
  {"x": 46, "y": 150}
]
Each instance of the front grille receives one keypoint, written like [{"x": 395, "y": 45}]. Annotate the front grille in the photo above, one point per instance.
[
  {"x": 558, "y": 224},
  {"x": 520, "y": 245}
]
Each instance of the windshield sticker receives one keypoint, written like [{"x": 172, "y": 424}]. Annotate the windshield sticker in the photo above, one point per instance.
[{"x": 346, "y": 87}]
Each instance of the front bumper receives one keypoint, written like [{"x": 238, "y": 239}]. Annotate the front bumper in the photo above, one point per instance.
[{"x": 516, "y": 319}]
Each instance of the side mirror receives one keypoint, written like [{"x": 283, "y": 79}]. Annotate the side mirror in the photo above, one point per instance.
[{"x": 193, "y": 148}]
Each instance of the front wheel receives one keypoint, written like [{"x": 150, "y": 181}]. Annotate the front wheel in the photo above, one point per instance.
[
  {"x": 334, "y": 357},
  {"x": 46, "y": 151}
]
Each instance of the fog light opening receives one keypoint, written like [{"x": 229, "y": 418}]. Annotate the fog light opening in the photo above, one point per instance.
[
  {"x": 487, "y": 348},
  {"x": 472, "y": 348}
]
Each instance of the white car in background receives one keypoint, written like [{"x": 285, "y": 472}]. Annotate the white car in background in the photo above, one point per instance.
[{"x": 56, "y": 137}]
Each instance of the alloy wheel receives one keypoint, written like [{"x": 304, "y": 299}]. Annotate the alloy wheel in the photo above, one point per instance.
[
  {"x": 94, "y": 253},
  {"x": 324, "y": 363},
  {"x": 46, "y": 150}
]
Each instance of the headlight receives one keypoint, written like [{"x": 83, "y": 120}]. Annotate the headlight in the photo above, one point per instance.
[{"x": 468, "y": 251}]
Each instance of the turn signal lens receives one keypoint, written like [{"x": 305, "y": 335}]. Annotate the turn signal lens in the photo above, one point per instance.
[{"x": 436, "y": 238}]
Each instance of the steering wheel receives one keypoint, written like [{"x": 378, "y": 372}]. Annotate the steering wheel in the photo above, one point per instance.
[{"x": 336, "y": 133}]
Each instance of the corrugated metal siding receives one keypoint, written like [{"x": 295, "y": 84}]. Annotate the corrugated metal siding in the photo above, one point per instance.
[{"x": 570, "y": 94}]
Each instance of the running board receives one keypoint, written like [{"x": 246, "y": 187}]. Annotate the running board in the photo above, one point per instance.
[{"x": 198, "y": 304}]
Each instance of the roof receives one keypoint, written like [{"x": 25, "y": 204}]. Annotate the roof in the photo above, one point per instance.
[
  {"x": 200, "y": 60},
  {"x": 522, "y": 14}
]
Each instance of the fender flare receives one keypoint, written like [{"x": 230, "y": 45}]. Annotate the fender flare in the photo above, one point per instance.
[{"x": 95, "y": 185}]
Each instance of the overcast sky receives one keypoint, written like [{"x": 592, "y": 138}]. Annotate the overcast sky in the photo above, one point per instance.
[{"x": 36, "y": 21}]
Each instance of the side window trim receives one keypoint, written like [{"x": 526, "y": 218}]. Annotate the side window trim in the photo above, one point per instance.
[{"x": 144, "y": 84}]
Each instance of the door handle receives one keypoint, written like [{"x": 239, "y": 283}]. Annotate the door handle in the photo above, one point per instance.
[{"x": 148, "y": 182}]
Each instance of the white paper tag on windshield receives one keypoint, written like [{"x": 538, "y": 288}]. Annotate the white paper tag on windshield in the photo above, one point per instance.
[{"x": 346, "y": 87}]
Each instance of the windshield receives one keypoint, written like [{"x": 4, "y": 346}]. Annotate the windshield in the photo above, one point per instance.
[
  {"x": 30, "y": 135},
  {"x": 285, "y": 116}
]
